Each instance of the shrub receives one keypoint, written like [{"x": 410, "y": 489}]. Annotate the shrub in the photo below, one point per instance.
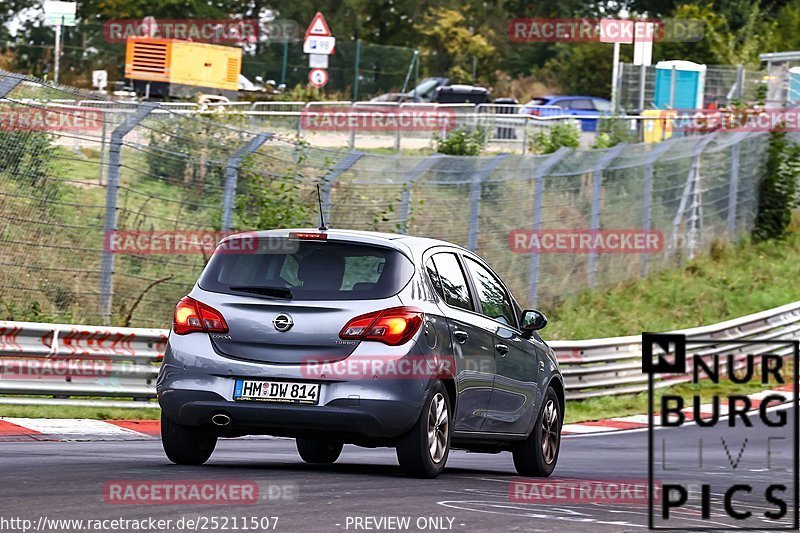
[
  {"x": 461, "y": 141},
  {"x": 563, "y": 133},
  {"x": 778, "y": 189}
]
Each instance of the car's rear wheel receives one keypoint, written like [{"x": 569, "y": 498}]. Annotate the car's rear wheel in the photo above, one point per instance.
[
  {"x": 319, "y": 451},
  {"x": 538, "y": 454},
  {"x": 423, "y": 451},
  {"x": 187, "y": 445}
]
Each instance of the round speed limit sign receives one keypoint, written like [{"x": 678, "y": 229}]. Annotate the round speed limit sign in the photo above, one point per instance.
[{"x": 318, "y": 77}]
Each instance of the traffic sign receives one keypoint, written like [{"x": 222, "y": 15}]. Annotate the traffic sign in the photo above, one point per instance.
[
  {"x": 318, "y": 61},
  {"x": 318, "y": 77},
  {"x": 318, "y": 27},
  {"x": 319, "y": 45},
  {"x": 59, "y": 13}
]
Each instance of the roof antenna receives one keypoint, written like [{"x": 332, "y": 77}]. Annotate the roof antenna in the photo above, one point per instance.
[{"x": 322, "y": 226}]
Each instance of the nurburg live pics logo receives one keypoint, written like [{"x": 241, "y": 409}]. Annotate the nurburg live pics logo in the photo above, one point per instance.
[{"x": 737, "y": 465}]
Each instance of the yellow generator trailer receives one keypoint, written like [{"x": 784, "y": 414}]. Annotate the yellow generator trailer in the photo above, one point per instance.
[{"x": 171, "y": 68}]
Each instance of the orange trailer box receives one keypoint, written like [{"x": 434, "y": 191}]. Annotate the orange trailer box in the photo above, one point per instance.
[{"x": 182, "y": 69}]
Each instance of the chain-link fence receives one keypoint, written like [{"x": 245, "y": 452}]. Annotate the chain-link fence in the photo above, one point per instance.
[
  {"x": 76, "y": 179},
  {"x": 722, "y": 85},
  {"x": 356, "y": 69}
]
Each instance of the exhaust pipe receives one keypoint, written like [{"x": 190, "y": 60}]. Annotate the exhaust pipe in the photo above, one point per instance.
[{"x": 220, "y": 420}]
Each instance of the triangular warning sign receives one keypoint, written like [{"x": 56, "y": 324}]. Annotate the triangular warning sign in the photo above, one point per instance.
[{"x": 318, "y": 27}]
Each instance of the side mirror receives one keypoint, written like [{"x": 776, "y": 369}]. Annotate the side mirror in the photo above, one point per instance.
[{"x": 532, "y": 320}]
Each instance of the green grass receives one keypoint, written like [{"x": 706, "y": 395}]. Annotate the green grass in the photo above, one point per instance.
[
  {"x": 730, "y": 282},
  {"x": 71, "y": 411}
]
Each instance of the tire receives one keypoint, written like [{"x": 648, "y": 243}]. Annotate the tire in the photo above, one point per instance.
[
  {"x": 433, "y": 428},
  {"x": 320, "y": 452},
  {"x": 187, "y": 445},
  {"x": 538, "y": 454}
]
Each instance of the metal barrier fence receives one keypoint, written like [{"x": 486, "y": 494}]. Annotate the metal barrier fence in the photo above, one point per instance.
[
  {"x": 84, "y": 361},
  {"x": 73, "y": 182}
]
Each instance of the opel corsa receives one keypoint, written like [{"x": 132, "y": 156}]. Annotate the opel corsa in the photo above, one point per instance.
[{"x": 373, "y": 339}]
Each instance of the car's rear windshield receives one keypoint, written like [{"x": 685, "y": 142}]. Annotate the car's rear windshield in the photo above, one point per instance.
[{"x": 308, "y": 270}]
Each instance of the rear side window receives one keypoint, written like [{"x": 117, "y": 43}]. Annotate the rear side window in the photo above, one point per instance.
[
  {"x": 305, "y": 270},
  {"x": 450, "y": 283},
  {"x": 494, "y": 299}
]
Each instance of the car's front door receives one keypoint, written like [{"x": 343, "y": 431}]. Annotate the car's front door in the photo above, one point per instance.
[
  {"x": 472, "y": 341},
  {"x": 513, "y": 401}
]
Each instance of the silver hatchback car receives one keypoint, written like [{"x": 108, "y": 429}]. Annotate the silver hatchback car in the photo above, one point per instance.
[{"x": 373, "y": 339}]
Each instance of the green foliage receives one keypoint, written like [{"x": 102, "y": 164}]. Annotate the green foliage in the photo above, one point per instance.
[
  {"x": 461, "y": 141},
  {"x": 611, "y": 132},
  {"x": 562, "y": 133},
  {"x": 266, "y": 200},
  {"x": 27, "y": 156},
  {"x": 746, "y": 278},
  {"x": 778, "y": 189}
]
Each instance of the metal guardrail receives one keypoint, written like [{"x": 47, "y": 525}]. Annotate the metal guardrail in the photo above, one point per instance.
[{"x": 61, "y": 361}]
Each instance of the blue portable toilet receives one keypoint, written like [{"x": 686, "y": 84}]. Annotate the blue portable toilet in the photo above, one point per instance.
[
  {"x": 690, "y": 80},
  {"x": 794, "y": 85}
]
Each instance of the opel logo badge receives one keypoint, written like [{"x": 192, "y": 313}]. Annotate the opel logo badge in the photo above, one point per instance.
[{"x": 283, "y": 322}]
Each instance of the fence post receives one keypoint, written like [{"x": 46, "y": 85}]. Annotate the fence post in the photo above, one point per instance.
[
  {"x": 647, "y": 195},
  {"x": 689, "y": 190},
  {"x": 232, "y": 176},
  {"x": 475, "y": 198},
  {"x": 594, "y": 221},
  {"x": 538, "y": 197},
  {"x": 328, "y": 180},
  {"x": 112, "y": 193},
  {"x": 733, "y": 190},
  {"x": 405, "y": 201}
]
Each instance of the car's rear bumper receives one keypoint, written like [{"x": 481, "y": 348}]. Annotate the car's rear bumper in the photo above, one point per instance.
[{"x": 343, "y": 417}]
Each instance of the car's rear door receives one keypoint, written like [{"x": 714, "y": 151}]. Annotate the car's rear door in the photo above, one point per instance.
[{"x": 472, "y": 340}]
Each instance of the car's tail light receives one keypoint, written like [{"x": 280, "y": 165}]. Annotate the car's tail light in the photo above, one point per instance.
[
  {"x": 393, "y": 326},
  {"x": 191, "y": 315},
  {"x": 535, "y": 112}
]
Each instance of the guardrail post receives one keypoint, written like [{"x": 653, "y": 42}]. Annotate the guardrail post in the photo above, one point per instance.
[
  {"x": 232, "y": 176},
  {"x": 597, "y": 190},
  {"x": 475, "y": 198},
  {"x": 328, "y": 180},
  {"x": 733, "y": 189},
  {"x": 112, "y": 193},
  {"x": 405, "y": 201},
  {"x": 539, "y": 174}
]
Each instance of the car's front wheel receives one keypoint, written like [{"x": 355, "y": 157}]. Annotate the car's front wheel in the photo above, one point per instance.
[
  {"x": 423, "y": 451},
  {"x": 538, "y": 454},
  {"x": 187, "y": 445},
  {"x": 319, "y": 451}
]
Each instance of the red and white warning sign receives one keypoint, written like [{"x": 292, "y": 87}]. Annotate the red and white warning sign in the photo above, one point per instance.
[
  {"x": 318, "y": 27},
  {"x": 318, "y": 77}
]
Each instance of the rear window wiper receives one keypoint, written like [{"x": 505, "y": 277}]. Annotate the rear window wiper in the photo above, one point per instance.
[{"x": 278, "y": 292}]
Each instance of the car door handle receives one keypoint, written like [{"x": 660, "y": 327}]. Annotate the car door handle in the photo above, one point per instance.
[
  {"x": 461, "y": 336},
  {"x": 502, "y": 349}
]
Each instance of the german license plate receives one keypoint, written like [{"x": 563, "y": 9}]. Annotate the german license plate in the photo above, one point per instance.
[{"x": 276, "y": 391}]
